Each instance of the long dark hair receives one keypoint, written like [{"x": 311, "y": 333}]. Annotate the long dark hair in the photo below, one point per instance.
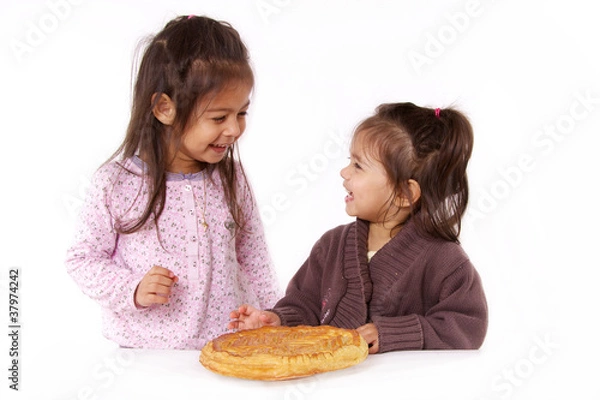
[
  {"x": 191, "y": 58},
  {"x": 432, "y": 147}
]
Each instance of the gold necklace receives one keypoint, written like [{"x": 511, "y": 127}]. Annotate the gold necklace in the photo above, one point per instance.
[
  {"x": 204, "y": 223},
  {"x": 203, "y": 209}
]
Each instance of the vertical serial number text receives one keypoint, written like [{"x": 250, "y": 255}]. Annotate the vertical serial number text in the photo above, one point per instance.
[{"x": 14, "y": 328}]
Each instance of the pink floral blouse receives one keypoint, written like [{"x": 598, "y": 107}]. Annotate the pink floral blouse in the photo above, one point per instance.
[{"x": 217, "y": 271}]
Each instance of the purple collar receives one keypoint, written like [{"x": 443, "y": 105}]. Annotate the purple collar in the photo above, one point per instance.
[{"x": 171, "y": 176}]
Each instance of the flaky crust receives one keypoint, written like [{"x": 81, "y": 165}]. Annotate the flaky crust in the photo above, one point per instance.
[{"x": 279, "y": 353}]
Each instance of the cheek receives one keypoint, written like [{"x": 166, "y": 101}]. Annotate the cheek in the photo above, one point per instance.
[
  {"x": 200, "y": 134},
  {"x": 189, "y": 140}
]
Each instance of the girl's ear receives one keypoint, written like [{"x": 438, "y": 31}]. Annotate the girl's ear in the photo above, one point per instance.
[
  {"x": 164, "y": 110},
  {"x": 415, "y": 191}
]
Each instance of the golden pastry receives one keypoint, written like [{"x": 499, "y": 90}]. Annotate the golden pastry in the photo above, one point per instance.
[{"x": 279, "y": 353}]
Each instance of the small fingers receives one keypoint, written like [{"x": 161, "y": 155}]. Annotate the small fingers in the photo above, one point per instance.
[
  {"x": 147, "y": 299},
  {"x": 158, "y": 290},
  {"x": 156, "y": 299},
  {"x": 159, "y": 280},
  {"x": 232, "y": 325},
  {"x": 245, "y": 309},
  {"x": 155, "y": 287},
  {"x": 370, "y": 334},
  {"x": 374, "y": 348},
  {"x": 158, "y": 270},
  {"x": 161, "y": 271}
]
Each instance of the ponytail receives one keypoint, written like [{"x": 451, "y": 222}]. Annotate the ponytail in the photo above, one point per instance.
[
  {"x": 432, "y": 147},
  {"x": 442, "y": 174}
]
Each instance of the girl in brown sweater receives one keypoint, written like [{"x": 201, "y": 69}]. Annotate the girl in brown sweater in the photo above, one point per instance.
[{"x": 398, "y": 273}]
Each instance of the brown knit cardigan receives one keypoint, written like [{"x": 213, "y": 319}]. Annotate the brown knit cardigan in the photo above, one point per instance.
[{"x": 421, "y": 293}]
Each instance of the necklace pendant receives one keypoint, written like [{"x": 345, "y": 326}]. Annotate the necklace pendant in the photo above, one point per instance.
[{"x": 205, "y": 225}]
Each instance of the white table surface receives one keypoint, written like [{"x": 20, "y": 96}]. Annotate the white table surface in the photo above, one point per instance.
[
  {"x": 109, "y": 372},
  {"x": 178, "y": 374}
]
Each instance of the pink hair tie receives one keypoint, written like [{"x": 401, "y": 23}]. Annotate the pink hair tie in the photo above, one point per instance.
[
  {"x": 190, "y": 16},
  {"x": 437, "y": 113}
]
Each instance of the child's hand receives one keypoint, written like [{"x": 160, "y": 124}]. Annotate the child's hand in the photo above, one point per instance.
[
  {"x": 371, "y": 335},
  {"x": 155, "y": 287},
  {"x": 248, "y": 317}
]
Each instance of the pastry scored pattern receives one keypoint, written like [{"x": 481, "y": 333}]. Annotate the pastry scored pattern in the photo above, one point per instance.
[{"x": 279, "y": 353}]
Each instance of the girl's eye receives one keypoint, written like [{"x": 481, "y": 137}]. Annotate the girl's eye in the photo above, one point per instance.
[
  {"x": 354, "y": 164},
  {"x": 243, "y": 114},
  {"x": 219, "y": 119}
]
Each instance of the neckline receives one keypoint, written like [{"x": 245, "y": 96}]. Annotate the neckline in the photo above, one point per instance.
[
  {"x": 171, "y": 176},
  {"x": 370, "y": 254},
  {"x": 407, "y": 238}
]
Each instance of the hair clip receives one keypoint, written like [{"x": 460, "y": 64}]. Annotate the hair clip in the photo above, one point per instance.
[
  {"x": 437, "y": 113},
  {"x": 190, "y": 16}
]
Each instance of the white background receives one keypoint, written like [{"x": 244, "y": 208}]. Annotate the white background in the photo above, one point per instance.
[{"x": 521, "y": 71}]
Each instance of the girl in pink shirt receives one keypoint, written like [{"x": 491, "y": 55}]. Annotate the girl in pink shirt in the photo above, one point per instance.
[{"x": 169, "y": 238}]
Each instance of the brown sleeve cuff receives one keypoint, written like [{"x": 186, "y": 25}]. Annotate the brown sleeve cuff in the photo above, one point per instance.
[
  {"x": 290, "y": 317},
  {"x": 399, "y": 333}
]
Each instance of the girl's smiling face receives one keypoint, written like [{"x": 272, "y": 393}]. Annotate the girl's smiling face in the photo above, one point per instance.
[
  {"x": 370, "y": 193},
  {"x": 218, "y": 123}
]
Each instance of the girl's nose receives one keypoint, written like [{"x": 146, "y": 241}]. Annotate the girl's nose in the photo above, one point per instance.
[
  {"x": 344, "y": 172},
  {"x": 233, "y": 129}
]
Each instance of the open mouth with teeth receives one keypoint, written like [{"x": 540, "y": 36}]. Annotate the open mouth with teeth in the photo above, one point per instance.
[
  {"x": 349, "y": 196},
  {"x": 219, "y": 148}
]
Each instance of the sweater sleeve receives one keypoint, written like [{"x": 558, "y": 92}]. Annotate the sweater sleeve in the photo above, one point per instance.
[
  {"x": 458, "y": 320},
  {"x": 254, "y": 257},
  {"x": 301, "y": 304},
  {"x": 89, "y": 260}
]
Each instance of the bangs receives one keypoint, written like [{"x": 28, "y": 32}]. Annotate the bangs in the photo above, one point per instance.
[
  {"x": 204, "y": 81},
  {"x": 389, "y": 145},
  {"x": 210, "y": 77},
  {"x": 372, "y": 135}
]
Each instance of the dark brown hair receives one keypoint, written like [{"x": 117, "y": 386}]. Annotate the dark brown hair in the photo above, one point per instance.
[
  {"x": 190, "y": 59},
  {"x": 431, "y": 147}
]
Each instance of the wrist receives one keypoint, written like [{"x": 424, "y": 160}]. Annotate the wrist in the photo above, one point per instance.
[{"x": 136, "y": 303}]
